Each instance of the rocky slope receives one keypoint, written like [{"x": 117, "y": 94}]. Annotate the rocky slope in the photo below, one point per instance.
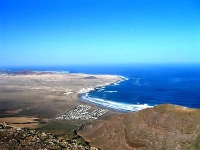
[
  {"x": 13, "y": 138},
  {"x": 162, "y": 127}
]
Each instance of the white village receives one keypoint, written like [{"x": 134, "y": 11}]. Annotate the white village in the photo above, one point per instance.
[{"x": 81, "y": 112}]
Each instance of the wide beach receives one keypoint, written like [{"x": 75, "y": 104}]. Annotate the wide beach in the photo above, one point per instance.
[{"x": 44, "y": 96}]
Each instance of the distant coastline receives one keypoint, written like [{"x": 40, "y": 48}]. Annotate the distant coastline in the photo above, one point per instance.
[
  {"x": 84, "y": 92},
  {"x": 147, "y": 85},
  {"x": 52, "y": 80}
]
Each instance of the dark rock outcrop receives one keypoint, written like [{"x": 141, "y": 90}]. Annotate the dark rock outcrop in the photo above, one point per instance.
[{"x": 13, "y": 138}]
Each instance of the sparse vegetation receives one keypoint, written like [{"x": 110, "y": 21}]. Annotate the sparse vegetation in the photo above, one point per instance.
[
  {"x": 162, "y": 127},
  {"x": 16, "y": 138}
]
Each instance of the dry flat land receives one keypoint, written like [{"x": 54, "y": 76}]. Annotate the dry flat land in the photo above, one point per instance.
[
  {"x": 45, "y": 96},
  {"x": 26, "y": 122},
  {"x": 50, "y": 103}
]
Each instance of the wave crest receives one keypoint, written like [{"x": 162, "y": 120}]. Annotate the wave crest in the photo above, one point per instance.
[{"x": 115, "y": 105}]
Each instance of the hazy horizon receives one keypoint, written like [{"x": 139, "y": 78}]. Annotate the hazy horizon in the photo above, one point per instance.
[{"x": 98, "y": 66}]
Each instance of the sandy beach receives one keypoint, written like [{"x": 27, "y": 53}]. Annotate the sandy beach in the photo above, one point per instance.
[{"x": 47, "y": 96}]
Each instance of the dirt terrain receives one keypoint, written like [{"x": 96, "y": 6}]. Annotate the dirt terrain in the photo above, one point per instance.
[
  {"x": 43, "y": 95},
  {"x": 33, "y": 100},
  {"x": 26, "y": 122},
  {"x": 162, "y": 127}
]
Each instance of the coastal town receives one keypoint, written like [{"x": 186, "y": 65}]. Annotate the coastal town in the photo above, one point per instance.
[
  {"x": 81, "y": 112},
  {"x": 81, "y": 91},
  {"x": 47, "y": 95}
]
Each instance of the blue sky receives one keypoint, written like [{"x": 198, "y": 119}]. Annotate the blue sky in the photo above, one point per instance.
[{"x": 61, "y": 32}]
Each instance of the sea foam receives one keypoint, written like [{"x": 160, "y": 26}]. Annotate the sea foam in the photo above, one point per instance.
[
  {"x": 115, "y": 105},
  {"x": 119, "y": 106},
  {"x": 110, "y": 91}
]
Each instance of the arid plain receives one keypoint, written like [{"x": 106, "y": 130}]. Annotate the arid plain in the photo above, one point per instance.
[
  {"x": 34, "y": 100},
  {"x": 50, "y": 103}
]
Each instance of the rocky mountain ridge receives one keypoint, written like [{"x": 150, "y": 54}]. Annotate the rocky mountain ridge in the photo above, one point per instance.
[{"x": 162, "y": 127}]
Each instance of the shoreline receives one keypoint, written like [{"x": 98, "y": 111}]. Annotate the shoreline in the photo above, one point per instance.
[
  {"x": 48, "y": 94},
  {"x": 81, "y": 99},
  {"x": 110, "y": 104},
  {"x": 82, "y": 94}
]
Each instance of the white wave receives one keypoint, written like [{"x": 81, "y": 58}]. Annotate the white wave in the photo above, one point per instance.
[
  {"x": 118, "y": 82},
  {"x": 101, "y": 90},
  {"x": 124, "y": 78},
  {"x": 110, "y": 91},
  {"x": 115, "y": 84},
  {"x": 115, "y": 105}
]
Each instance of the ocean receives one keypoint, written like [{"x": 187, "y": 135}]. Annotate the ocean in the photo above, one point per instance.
[{"x": 145, "y": 85}]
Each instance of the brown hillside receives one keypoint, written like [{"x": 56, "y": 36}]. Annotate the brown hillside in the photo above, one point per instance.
[{"x": 159, "y": 128}]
